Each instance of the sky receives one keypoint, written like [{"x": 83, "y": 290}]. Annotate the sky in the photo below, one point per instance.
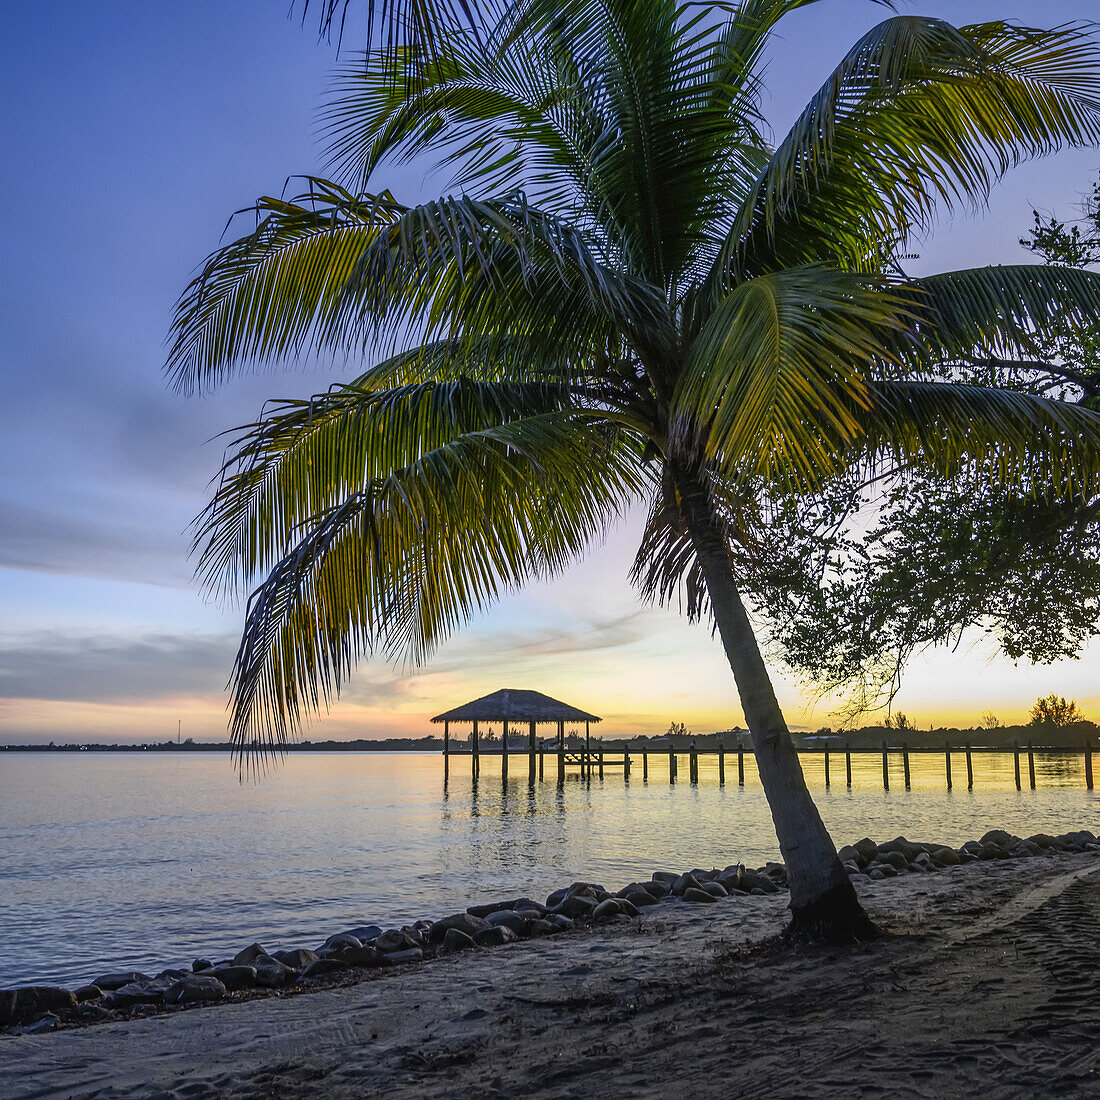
[{"x": 132, "y": 131}]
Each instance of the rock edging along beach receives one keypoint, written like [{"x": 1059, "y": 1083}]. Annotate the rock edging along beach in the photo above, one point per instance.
[{"x": 346, "y": 955}]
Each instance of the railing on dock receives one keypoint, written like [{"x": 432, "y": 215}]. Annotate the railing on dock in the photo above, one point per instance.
[{"x": 589, "y": 762}]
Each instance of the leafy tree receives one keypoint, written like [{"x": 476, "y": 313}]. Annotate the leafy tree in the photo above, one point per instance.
[
  {"x": 1053, "y": 711},
  {"x": 989, "y": 721},
  {"x": 634, "y": 296},
  {"x": 677, "y": 729},
  {"x": 899, "y": 721}
]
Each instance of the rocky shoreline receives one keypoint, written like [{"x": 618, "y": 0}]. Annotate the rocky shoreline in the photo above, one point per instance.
[{"x": 369, "y": 951}]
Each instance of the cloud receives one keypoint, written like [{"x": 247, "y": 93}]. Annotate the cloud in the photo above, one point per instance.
[{"x": 109, "y": 669}]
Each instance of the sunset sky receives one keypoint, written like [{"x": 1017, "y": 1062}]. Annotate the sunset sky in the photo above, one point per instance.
[{"x": 131, "y": 132}]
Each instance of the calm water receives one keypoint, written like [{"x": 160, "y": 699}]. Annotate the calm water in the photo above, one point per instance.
[{"x": 119, "y": 861}]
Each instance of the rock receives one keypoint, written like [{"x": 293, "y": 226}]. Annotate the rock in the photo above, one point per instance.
[
  {"x": 892, "y": 859},
  {"x": 322, "y": 968},
  {"x": 526, "y": 905},
  {"x": 626, "y": 906},
  {"x": 698, "y": 896},
  {"x": 776, "y": 871},
  {"x": 848, "y": 854},
  {"x": 656, "y": 888},
  {"x": 745, "y": 880},
  {"x": 492, "y": 907},
  {"x": 496, "y": 936},
  {"x": 528, "y": 914},
  {"x": 715, "y": 889},
  {"x": 556, "y": 898},
  {"x": 234, "y": 977},
  {"x": 886, "y": 870},
  {"x": 117, "y": 980},
  {"x": 562, "y": 923},
  {"x": 392, "y": 940},
  {"x": 1043, "y": 840},
  {"x": 1023, "y": 850},
  {"x": 683, "y": 884},
  {"x": 1000, "y": 838},
  {"x": 542, "y": 927},
  {"x": 340, "y": 942},
  {"x": 454, "y": 940},
  {"x": 31, "y": 1001},
  {"x": 639, "y": 897},
  {"x": 150, "y": 992},
  {"x": 923, "y": 861},
  {"x": 908, "y": 848},
  {"x": 92, "y": 1014},
  {"x": 966, "y": 856},
  {"x": 88, "y": 993},
  {"x": 945, "y": 857},
  {"x": 397, "y": 958},
  {"x": 48, "y": 1022},
  {"x": 867, "y": 850},
  {"x": 461, "y": 922},
  {"x": 993, "y": 851},
  {"x": 667, "y": 877},
  {"x": 297, "y": 959},
  {"x": 194, "y": 989},
  {"x": 416, "y": 936},
  {"x": 1078, "y": 840},
  {"x": 852, "y": 868},
  {"x": 757, "y": 892},
  {"x": 364, "y": 932},
  {"x": 576, "y": 907},
  {"x": 271, "y": 973},
  {"x": 200, "y": 965},
  {"x": 608, "y": 909},
  {"x": 368, "y": 955},
  {"x": 174, "y": 973},
  {"x": 877, "y": 873},
  {"x": 250, "y": 954},
  {"x": 507, "y": 919}
]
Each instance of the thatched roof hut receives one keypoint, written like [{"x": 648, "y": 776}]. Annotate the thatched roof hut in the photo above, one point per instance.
[{"x": 516, "y": 705}]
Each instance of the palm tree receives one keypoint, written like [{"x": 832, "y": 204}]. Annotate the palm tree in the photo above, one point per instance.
[{"x": 633, "y": 295}]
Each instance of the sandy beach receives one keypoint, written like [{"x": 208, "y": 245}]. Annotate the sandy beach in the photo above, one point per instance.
[{"x": 987, "y": 981}]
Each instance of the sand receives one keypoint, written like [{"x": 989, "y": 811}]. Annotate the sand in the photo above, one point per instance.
[{"x": 989, "y": 983}]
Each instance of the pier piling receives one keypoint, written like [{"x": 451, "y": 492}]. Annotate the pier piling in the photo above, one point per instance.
[
  {"x": 476, "y": 756},
  {"x": 561, "y": 753},
  {"x": 826, "y": 764},
  {"x": 531, "y": 749},
  {"x": 969, "y": 769},
  {"x": 645, "y": 763},
  {"x": 885, "y": 769},
  {"x": 848, "y": 763},
  {"x": 721, "y": 764},
  {"x": 1016, "y": 761},
  {"x": 905, "y": 763},
  {"x": 1031, "y": 765},
  {"x": 1088, "y": 765},
  {"x": 693, "y": 765},
  {"x": 947, "y": 761},
  {"x": 740, "y": 763}
]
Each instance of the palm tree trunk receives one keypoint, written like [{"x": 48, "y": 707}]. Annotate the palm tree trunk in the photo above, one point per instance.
[{"x": 823, "y": 902}]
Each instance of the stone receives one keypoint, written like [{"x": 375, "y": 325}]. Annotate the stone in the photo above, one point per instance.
[
  {"x": 608, "y": 909},
  {"x": 757, "y": 892},
  {"x": 852, "y": 868},
  {"x": 698, "y": 896},
  {"x": 397, "y": 958},
  {"x": 272, "y": 974},
  {"x": 848, "y": 854},
  {"x": 994, "y": 851},
  {"x": 497, "y": 936},
  {"x": 867, "y": 850},
  {"x": 1043, "y": 840},
  {"x": 683, "y": 884},
  {"x": 92, "y": 1014},
  {"x": 201, "y": 964},
  {"x": 364, "y": 932},
  {"x": 923, "y": 861},
  {"x": 367, "y": 956},
  {"x": 908, "y": 848},
  {"x": 667, "y": 877},
  {"x": 1078, "y": 840},
  {"x": 297, "y": 959},
  {"x": 639, "y": 897},
  {"x": 562, "y": 923},
  {"x": 656, "y": 888},
  {"x": 576, "y": 907},
  {"x": 1000, "y": 838},
  {"x": 945, "y": 857},
  {"x": 542, "y": 927},
  {"x": 876, "y": 873},
  {"x": 416, "y": 937},
  {"x": 117, "y": 980},
  {"x": 886, "y": 870},
  {"x": 340, "y": 942},
  {"x": 715, "y": 889},
  {"x": 745, "y": 880},
  {"x": 893, "y": 859},
  {"x": 775, "y": 870},
  {"x": 150, "y": 992},
  {"x": 505, "y": 918},
  {"x": 48, "y": 1022},
  {"x": 194, "y": 989},
  {"x": 454, "y": 940},
  {"x": 461, "y": 922},
  {"x": 250, "y": 954},
  {"x": 527, "y": 904},
  {"x": 88, "y": 993},
  {"x": 234, "y": 977},
  {"x": 492, "y": 907},
  {"x": 17, "y": 1005},
  {"x": 626, "y": 906},
  {"x": 323, "y": 968},
  {"x": 393, "y": 940},
  {"x": 1023, "y": 850}
]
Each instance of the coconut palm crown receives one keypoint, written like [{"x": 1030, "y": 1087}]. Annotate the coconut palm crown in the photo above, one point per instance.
[{"x": 630, "y": 295}]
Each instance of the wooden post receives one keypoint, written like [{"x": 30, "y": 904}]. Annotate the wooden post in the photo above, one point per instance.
[
  {"x": 905, "y": 762},
  {"x": 446, "y": 749},
  {"x": 561, "y": 752},
  {"x": 475, "y": 759},
  {"x": 587, "y": 768},
  {"x": 601, "y": 763},
  {"x": 645, "y": 763},
  {"x": 740, "y": 763},
  {"x": 504, "y": 752},
  {"x": 885, "y": 769},
  {"x": 969, "y": 769},
  {"x": 826, "y": 763},
  {"x": 693, "y": 764},
  {"x": 626, "y": 764},
  {"x": 671, "y": 764},
  {"x": 542, "y": 760},
  {"x": 1088, "y": 765},
  {"x": 848, "y": 762},
  {"x": 721, "y": 764},
  {"x": 947, "y": 761},
  {"x": 531, "y": 753},
  {"x": 1031, "y": 765},
  {"x": 1016, "y": 761}
]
